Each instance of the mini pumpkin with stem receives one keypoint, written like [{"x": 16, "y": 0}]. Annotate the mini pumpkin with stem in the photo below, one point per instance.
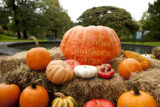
[
  {"x": 37, "y": 58},
  {"x": 9, "y": 95},
  {"x": 34, "y": 96},
  {"x": 63, "y": 101},
  {"x": 136, "y": 98}
]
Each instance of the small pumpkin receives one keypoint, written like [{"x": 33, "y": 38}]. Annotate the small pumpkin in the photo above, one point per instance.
[
  {"x": 144, "y": 61},
  {"x": 129, "y": 65},
  {"x": 37, "y": 58},
  {"x": 92, "y": 45},
  {"x": 99, "y": 103},
  {"x": 63, "y": 101},
  {"x": 73, "y": 63},
  {"x": 59, "y": 72},
  {"x": 136, "y": 98},
  {"x": 34, "y": 96},
  {"x": 9, "y": 95},
  {"x": 85, "y": 71}
]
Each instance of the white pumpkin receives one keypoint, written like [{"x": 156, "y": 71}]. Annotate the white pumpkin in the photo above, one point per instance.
[
  {"x": 85, "y": 71},
  {"x": 149, "y": 56}
]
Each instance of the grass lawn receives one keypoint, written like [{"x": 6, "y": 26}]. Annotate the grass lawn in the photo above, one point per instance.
[
  {"x": 144, "y": 43},
  {"x": 4, "y": 38}
]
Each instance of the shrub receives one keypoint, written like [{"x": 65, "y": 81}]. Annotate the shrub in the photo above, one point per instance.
[{"x": 125, "y": 38}]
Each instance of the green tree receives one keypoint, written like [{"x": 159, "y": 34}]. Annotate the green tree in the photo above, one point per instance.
[
  {"x": 37, "y": 17},
  {"x": 118, "y": 19},
  {"x": 4, "y": 17},
  {"x": 57, "y": 18},
  {"x": 150, "y": 20}
]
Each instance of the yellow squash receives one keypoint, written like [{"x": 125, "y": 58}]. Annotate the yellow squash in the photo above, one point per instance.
[{"x": 144, "y": 61}]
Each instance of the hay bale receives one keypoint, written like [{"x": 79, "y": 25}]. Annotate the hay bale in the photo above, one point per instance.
[
  {"x": 155, "y": 63},
  {"x": 115, "y": 62},
  {"x": 81, "y": 89},
  {"x": 148, "y": 81},
  {"x": 9, "y": 63},
  {"x": 156, "y": 52},
  {"x": 87, "y": 89}
]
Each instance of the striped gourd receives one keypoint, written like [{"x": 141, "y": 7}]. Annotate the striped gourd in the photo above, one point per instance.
[{"x": 63, "y": 101}]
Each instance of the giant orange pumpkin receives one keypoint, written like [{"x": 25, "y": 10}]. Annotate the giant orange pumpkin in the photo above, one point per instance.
[
  {"x": 91, "y": 45},
  {"x": 129, "y": 65},
  {"x": 37, "y": 58},
  {"x": 9, "y": 95}
]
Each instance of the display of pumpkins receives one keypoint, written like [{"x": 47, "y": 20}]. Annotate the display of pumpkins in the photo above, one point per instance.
[
  {"x": 136, "y": 98},
  {"x": 144, "y": 61},
  {"x": 59, "y": 72},
  {"x": 38, "y": 58},
  {"x": 83, "y": 47},
  {"x": 85, "y": 71},
  {"x": 63, "y": 101},
  {"x": 9, "y": 95},
  {"x": 92, "y": 45},
  {"x": 129, "y": 65}
]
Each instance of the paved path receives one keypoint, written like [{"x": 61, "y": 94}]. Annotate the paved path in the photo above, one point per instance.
[{"x": 5, "y": 50}]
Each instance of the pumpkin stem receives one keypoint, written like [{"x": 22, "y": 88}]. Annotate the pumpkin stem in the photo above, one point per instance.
[
  {"x": 136, "y": 91},
  {"x": 59, "y": 94},
  {"x": 98, "y": 104},
  {"x": 35, "y": 40},
  {"x": 34, "y": 83}
]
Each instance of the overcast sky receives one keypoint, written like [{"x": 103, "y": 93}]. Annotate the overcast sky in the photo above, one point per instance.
[{"x": 77, "y": 7}]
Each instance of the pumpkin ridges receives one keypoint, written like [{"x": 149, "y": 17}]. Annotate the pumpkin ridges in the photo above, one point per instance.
[{"x": 60, "y": 73}]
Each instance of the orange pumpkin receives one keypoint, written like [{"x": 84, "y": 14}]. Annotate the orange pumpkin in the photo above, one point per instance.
[
  {"x": 38, "y": 58},
  {"x": 129, "y": 65},
  {"x": 93, "y": 45},
  {"x": 9, "y": 95},
  {"x": 59, "y": 72},
  {"x": 34, "y": 96},
  {"x": 136, "y": 98}
]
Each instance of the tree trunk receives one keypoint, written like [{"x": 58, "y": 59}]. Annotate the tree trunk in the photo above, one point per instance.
[
  {"x": 25, "y": 35},
  {"x": 18, "y": 35},
  {"x": 56, "y": 35}
]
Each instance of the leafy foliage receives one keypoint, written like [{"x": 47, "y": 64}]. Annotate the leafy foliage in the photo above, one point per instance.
[
  {"x": 35, "y": 17},
  {"x": 118, "y": 19},
  {"x": 150, "y": 20}
]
